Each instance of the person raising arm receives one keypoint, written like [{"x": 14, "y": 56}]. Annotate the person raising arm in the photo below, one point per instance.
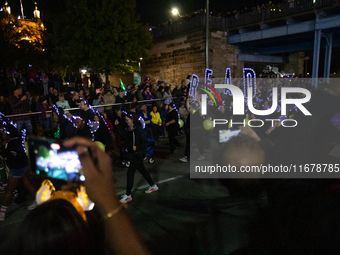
[{"x": 120, "y": 232}]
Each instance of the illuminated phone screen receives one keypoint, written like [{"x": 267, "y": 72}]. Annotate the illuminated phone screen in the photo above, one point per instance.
[{"x": 51, "y": 159}]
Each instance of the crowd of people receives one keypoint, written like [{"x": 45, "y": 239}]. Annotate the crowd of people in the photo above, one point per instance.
[
  {"x": 124, "y": 120},
  {"x": 76, "y": 111}
]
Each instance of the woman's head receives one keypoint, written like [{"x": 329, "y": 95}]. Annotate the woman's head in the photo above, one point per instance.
[
  {"x": 132, "y": 119},
  {"x": 56, "y": 227}
]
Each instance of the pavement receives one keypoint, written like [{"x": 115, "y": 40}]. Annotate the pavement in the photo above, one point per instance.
[{"x": 166, "y": 219}]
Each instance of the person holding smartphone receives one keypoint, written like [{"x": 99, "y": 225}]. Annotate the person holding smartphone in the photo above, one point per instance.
[
  {"x": 136, "y": 143},
  {"x": 59, "y": 221}
]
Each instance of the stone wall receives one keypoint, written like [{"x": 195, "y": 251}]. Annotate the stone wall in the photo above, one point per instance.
[
  {"x": 173, "y": 59},
  {"x": 115, "y": 79},
  {"x": 222, "y": 55}
]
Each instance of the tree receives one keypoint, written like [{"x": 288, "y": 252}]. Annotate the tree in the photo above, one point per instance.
[
  {"x": 103, "y": 35},
  {"x": 7, "y": 48}
]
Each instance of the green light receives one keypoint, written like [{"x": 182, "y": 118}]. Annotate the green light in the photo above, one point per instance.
[
  {"x": 57, "y": 133},
  {"x": 46, "y": 169},
  {"x": 122, "y": 84},
  {"x": 37, "y": 172}
]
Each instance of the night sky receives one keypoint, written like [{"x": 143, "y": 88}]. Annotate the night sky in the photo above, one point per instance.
[
  {"x": 152, "y": 12},
  {"x": 157, "y": 11}
]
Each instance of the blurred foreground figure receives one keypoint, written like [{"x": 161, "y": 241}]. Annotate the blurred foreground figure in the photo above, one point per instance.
[{"x": 57, "y": 227}]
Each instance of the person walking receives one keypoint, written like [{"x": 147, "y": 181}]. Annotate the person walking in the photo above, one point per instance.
[
  {"x": 136, "y": 143},
  {"x": 17, "y": 161},
  {"x": 171, "y": 125}
]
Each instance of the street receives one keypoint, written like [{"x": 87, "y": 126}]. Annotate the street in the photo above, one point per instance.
[{"x": 166, "y": 219}]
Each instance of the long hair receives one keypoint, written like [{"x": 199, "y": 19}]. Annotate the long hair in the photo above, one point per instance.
[
  {"x": 167, "y": 90},
  {"x": 55, "y": 227},
  {"x": 135, "y": 119}
]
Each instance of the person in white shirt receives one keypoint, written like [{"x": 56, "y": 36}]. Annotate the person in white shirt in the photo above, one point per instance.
[{"x": 62, "y": 103}]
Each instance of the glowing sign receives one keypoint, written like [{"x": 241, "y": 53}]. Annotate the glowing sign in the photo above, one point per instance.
[
  {"x": 193, "y": 85},
  {"x": 208, "y": 73},
  {"x": 227, "y": 80},
  {"x": 249, "y": 80}
]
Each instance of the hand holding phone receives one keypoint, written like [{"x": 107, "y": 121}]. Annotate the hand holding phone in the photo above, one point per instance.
[{"x": 97, "y": 168}]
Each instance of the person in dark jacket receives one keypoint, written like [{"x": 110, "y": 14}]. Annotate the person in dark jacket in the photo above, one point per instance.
[
  {"x": 136, "y": 143},
  {"x": 102, "y": 133},
  {"x": 17, "y": 161},
  {"x": 171, "y": 125},
  {"x": 87, "y": 113},
  {"x": 83, "y": 130},
  {"x": 45, "y": 117},
  {"x": 65, "y": 129},
  {"x": 178, "y": 94}
]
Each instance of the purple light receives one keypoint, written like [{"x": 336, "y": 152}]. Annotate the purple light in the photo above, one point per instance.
[
  {"x": 193, "y": 86},
  {"x": 227, "y": 80},
  {"x": 249, "y": 80}
]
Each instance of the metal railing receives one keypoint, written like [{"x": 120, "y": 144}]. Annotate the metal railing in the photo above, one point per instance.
[
  {"x": 109, "y": 109},
  {"x": 256, "y": 16}
]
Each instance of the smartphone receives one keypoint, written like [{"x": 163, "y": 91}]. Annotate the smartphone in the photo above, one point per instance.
[
  {"x": 49, "y": 158},
  {"x": 98, "y": 91},
  {"x": 226, "y": 135}
]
